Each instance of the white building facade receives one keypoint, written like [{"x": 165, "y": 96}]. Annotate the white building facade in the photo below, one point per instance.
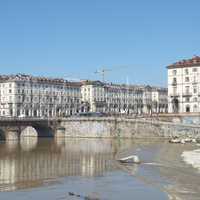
[
  {"x": 184, "y": 86},
  {"x": 159, "y": 100},
  {"x": 28, "y": 96},
  {"x": 123, "y": 99}
]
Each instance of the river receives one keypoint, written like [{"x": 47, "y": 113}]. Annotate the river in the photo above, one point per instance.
[{"x": 69, "y": 168}]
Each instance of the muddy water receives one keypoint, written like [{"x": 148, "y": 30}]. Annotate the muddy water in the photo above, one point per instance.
[{"x": 50, "y": 169}]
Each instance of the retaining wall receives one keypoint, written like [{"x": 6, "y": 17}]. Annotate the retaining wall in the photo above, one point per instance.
[{"x": 126, "y": 128}]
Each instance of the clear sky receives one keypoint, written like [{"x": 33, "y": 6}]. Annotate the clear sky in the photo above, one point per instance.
[{"x": 76, "y": 37}]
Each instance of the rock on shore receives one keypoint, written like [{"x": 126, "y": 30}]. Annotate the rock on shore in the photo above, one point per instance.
[{"x": 183, "y": 140}]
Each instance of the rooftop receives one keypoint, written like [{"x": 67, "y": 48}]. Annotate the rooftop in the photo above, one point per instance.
[
  {"x": 122, "y": 86},
  {"x": 195, "y": 61},
  {"x": 39, "y": 79},
  {"x": 60, "y": 81}
]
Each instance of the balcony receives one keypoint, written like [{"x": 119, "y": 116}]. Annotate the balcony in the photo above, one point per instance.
[
  {"x": 174, "y": 83},
  {"x": 186, "y": 94},
  {"x": 194, "y": 82},
  {"x": 174, "y": 94}
]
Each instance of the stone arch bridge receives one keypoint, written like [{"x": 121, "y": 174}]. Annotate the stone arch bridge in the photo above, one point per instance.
[
  {"x": 96, "y": 127},
  {"x": 11, "y": 128}
]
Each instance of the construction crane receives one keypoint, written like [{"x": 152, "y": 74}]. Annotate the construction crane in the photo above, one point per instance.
[{"x": 102, "y": 72}]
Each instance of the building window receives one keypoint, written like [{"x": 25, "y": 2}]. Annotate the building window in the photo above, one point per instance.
[
  {"x": 195, "y": 79},
  {"x": 174, "y": 72},
  {"x": 174, "y": 81},
  {"x": 186, "y": 71},
  {"x": 174, "y": 90},
  {"x": 195, "y": 108},
  {"x": 187, "y": 109},
  {"x": 194, "y": 69},
  {"x": 195, "y": 90},
  {"x": 187, "y": 99},
  {"x": 187, "y": 89},
  {"x": 195, "y": 99},
  {"x": 187, "y": 79}
]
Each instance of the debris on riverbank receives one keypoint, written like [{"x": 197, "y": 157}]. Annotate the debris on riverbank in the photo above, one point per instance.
[
  {"x": 130, "y": 159},
  {"x": 183, "y": 140},
  {"x": 89, "y": 197}
]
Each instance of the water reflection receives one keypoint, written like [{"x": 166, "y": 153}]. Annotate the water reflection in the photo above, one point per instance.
[
  {"x": 11, "y": 145},
  {"x": 31, "y": 162},
  {"x": 29, "y": 131},
  {"x": 28, "y": 143}
]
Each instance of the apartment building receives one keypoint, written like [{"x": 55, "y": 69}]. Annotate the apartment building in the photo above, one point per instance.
[
  {"x": 30, "y": 96},
  {"x": 123, "y": 99},
  {"x": 159, "y": 100},
  {"x": 184, "y": 86},
  {"x": 24, "y": 95}
]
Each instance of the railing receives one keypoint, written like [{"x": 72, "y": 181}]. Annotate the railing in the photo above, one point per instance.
[{"x": 7, "y": 118}]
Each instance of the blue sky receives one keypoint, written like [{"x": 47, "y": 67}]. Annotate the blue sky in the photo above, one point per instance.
[{"x": 76, "y": 37}]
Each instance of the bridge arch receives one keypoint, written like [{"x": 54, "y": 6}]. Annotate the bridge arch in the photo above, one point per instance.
[
  {"x": 29, "y": 131},
  {"x": 36, "y": 130}
]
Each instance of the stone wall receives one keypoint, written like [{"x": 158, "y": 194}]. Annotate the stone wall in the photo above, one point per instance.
[{"x": 126, "y": 128}]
